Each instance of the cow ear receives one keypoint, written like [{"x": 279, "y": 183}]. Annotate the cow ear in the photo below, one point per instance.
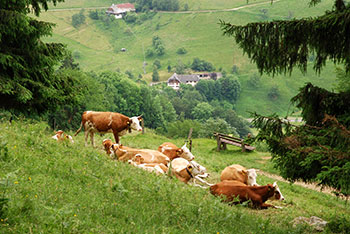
[
  {"x": 244, "y": 172},
  {"x": 274, "y": 184},
  {"x": 179, "y": 151}
]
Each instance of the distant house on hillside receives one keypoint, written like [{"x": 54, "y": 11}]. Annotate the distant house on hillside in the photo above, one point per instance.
[
  {"x": 175, "y": 80},
  {"x": 118, "y": 10}
]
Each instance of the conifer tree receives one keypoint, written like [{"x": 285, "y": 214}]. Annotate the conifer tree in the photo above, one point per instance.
[
  {"x": 27, "y": 80},
  {"x": 319, "y": 150}
]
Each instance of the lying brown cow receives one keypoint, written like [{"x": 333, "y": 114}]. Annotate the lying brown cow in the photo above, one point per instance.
[
  {"x": 104, "y": 122},
  {"x": 124, "y": 154},
  {"x": 172, "y": 151},
  {"x": 257, "y": 194},
  {"x": 186, "y": 170},
  {"x": 237, "y": 172}
]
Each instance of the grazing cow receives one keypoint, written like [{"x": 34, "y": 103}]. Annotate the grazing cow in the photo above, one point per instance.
[
  {"x": 172, "y": 151},
  {"x": 104, "y": 122},
  {"x": 61, "y": 136},
  {"x": 186, "y": 170},
  {"x": 237, "y": 172},
  {"x": 258, "y": 195},
  {"x": 124, "y": 154},
  {"x": 107, "y": 144}
]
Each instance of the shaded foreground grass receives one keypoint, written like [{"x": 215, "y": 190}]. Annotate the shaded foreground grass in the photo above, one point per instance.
[{"x": 57, "y": 187}]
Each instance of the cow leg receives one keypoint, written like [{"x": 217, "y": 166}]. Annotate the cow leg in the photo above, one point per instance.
[
  {"x": 116, "y": 137},
  {"x": 92, "y": 138},
  {"x": 86, "y": 137},
  {"x": 201, "y": 180}
]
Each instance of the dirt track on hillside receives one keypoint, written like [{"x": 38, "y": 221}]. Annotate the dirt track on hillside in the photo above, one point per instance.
[{"x": 312, "y": 186}]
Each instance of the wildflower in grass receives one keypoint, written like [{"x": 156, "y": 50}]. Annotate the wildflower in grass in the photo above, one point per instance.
[
  {"x": 16, "y": 182},
  {"x": 75, "y": 215},
  {"x": 29, "y": 178},
  {"x": 36, "y": 196},
  {"x": 27, "y": 195}
]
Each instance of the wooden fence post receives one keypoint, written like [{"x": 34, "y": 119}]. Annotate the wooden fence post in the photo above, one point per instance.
[
  {"x": 143, "y": 126},
  {"x": 242, "y": 145},
  {"x": 189, "y": 139},
  {"x": 218, "y": 142}
]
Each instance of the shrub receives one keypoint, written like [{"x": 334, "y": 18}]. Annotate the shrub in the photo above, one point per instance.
[
  {"x": 181, "y": 50},
  {"x": 78, "y": 19}
]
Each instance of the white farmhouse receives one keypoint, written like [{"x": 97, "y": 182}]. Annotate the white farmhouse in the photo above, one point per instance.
[{"x": 118, "y": 10}]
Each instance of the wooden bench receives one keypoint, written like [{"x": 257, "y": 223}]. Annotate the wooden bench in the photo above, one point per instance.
[{"x": 223, "y": 139}]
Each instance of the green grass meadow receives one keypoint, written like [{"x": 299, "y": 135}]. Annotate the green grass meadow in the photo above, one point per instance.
[{"x": 56, "y": 187}]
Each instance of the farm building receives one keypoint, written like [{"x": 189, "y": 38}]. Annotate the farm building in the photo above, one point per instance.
[
  {"x": 118, "y": 10},
  {"x": 175, "y": 80}
]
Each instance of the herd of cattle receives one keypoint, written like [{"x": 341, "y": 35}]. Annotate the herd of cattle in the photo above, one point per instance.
[{"x": 237, "y": 184}]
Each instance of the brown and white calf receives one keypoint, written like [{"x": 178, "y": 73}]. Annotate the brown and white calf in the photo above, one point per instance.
[
  {"x": 107, "y": 144},
  {"x": 238, "y": 172},
  {"x": 172, "y": 151},
  {"x": 124, "y": 154},
  {"x": 186, "y": 171},
  {"x": 104, "y": 122},
  {"x": 61, "y": 136},
  {"x": 158, "y": 168},
  {"x": 258, "y": 195}
]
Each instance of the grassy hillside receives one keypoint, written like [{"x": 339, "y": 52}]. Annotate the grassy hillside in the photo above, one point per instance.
[
  {"x": 199, "y": 33},
  {"x": 56, "y": 187}
]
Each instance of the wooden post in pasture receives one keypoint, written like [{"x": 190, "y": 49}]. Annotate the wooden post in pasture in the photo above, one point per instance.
[
  {"x": 218, "y": 142},
  {"x": 189, "y": 139},
  {"x": 143, "y": 126},
  {"x": 242, "y": 145}
]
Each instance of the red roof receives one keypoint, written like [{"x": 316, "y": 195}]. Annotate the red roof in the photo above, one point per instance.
[{"x": 126, "y": 5}]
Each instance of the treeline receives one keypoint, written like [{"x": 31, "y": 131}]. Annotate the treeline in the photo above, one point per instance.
[
  {"x": 160, "y": 5},
  {"x": 207, "y": 107}
]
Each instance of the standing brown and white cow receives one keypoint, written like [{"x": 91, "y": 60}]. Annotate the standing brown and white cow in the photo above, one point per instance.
[{"x": 104, "y": 122}]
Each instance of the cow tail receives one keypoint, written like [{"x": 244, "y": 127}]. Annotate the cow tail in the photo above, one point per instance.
[{"x": 81, "y": 125}]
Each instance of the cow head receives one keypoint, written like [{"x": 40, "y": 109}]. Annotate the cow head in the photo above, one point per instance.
[
  {"x": 186, "y": 153},
  {"x": 135, "y": 123},
  {"x": 277, "y": 193},
  {"x": 251, "y": 177},
  {"x": 117, "y": 151}
]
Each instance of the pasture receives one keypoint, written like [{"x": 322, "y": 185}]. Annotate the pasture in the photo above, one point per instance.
[{"x": 50, "y": 187}]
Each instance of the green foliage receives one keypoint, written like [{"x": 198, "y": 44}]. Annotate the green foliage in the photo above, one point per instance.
[
  {"x": 315, "y": 102},
  {"x": 28, "y": 84},
  {"x": 181, "y": 50},
  {"x": 275, "y": 48},
  {"x": 308, "y": 152},
  {"x": 201, "y": 65},
  {"x": 181, "y": 129},
  {"x": 161, "y": 5},
  {"x": 230, "y": 88},
  {"x": 254, "y": 80},
  {"x": 212, "y": 125},
  {"x": 155, "y": 75},
  {"x": 339, "y": 224},
  {"x": 93, "y": 14},
  {"x": 130, "y": 17},
  {"x": 78, "y": 19},
  {"x": 202, "y": 111},
  {"x": 273, "y": 93},
  {"x": 157, "y": 64},
  {"x": 343, "y": 80}
]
